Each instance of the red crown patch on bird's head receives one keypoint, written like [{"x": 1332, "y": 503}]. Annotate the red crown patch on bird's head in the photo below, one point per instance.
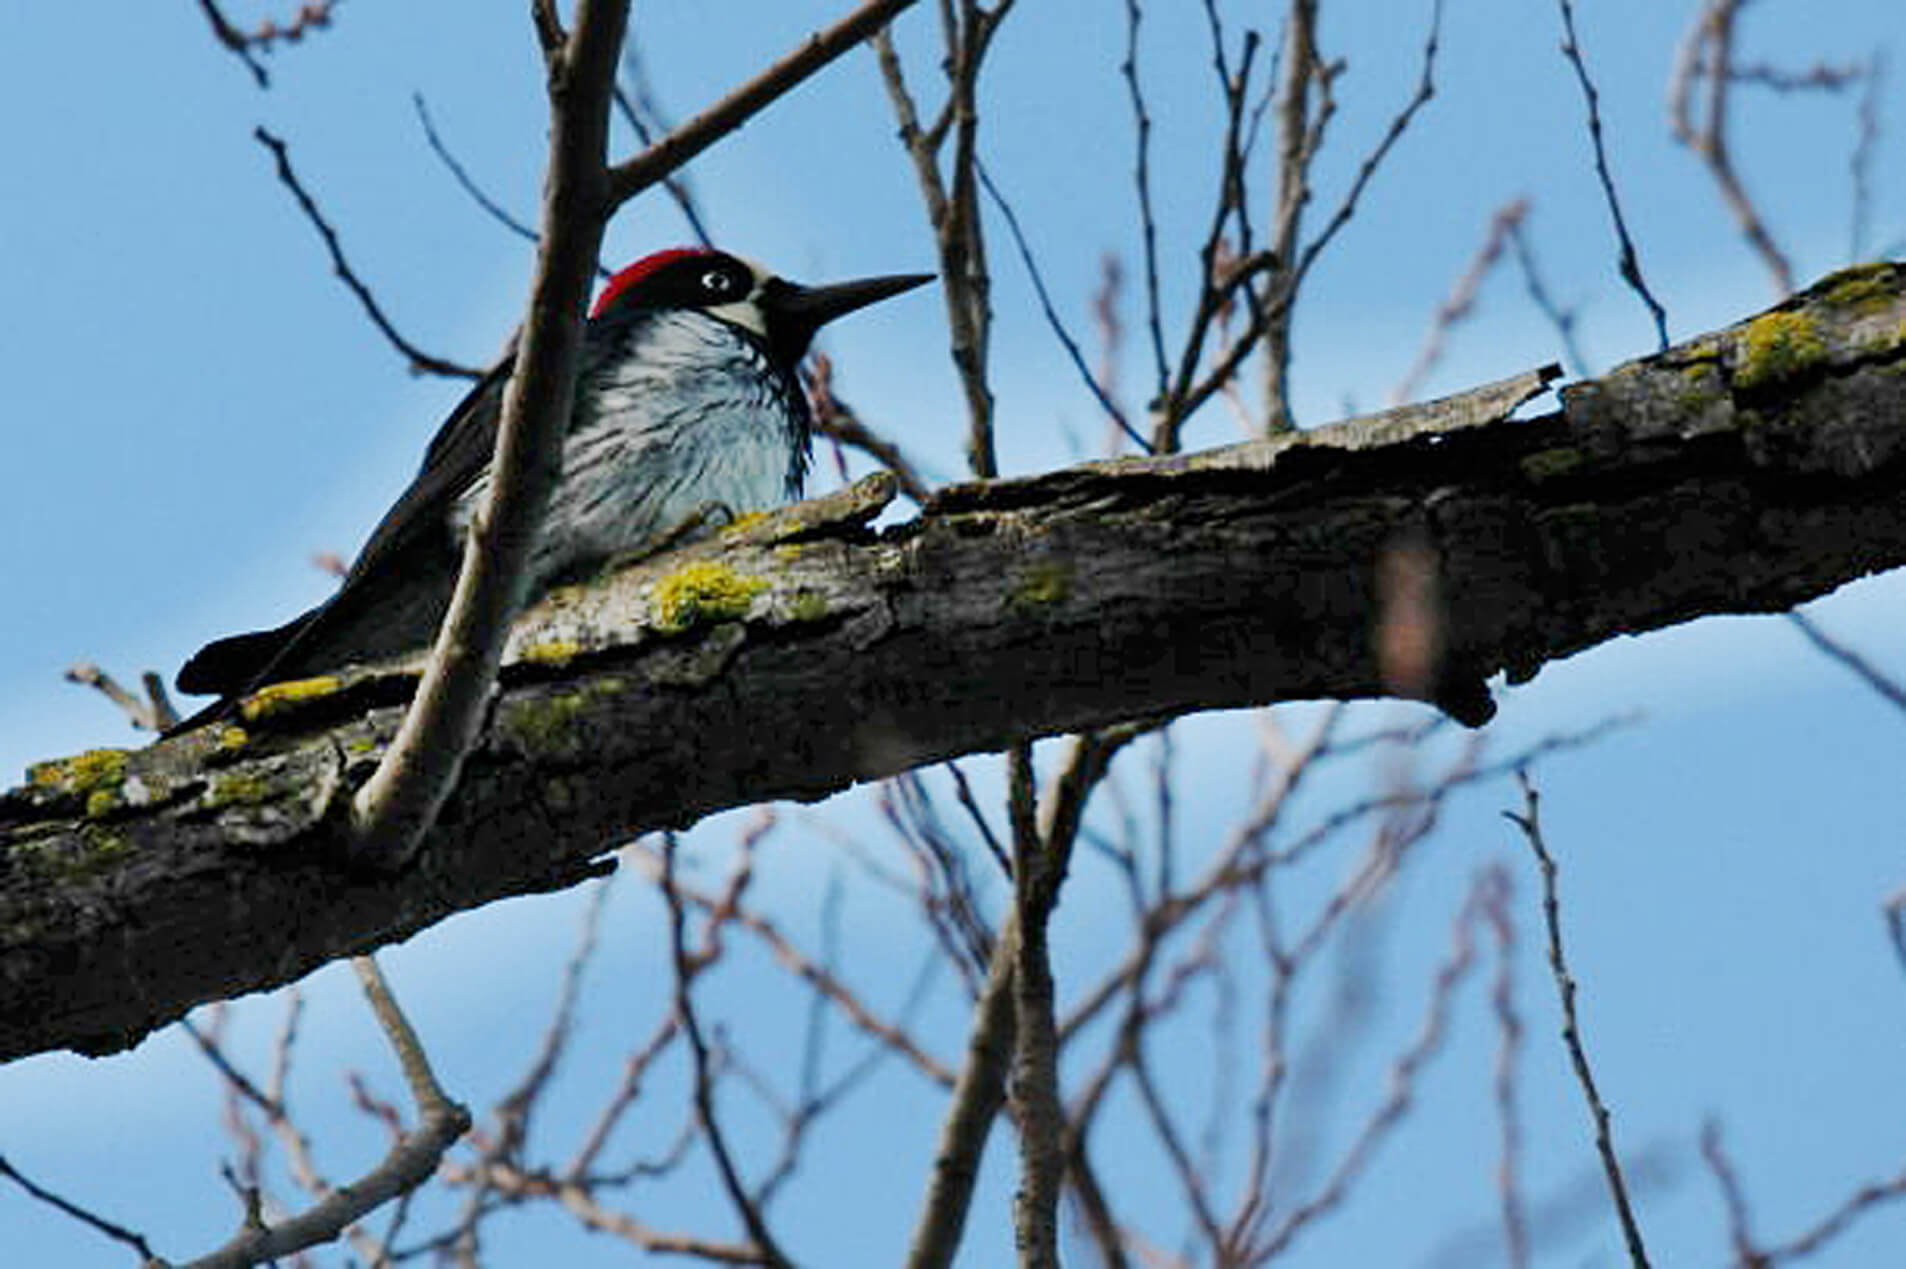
[{"x": 628, "y": 277}]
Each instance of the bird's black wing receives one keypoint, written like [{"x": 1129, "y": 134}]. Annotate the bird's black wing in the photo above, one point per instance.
[{"x": 457, "y": 454}]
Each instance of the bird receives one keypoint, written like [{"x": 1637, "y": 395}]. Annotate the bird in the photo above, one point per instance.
[{"x": 688, "y": 399}]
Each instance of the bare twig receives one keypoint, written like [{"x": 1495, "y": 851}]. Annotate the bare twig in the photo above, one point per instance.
[
  {"x": 1461, "y": 300},
  {"x": 1403, "y": 1081},
  {"x": 234, "y": 39},
  {"x": 1497, "y": 911},
  {"x": 952, "y": 202},
  {"x": 1629, "y": 262},
  {"x": 463, "y": 178},
  {"x": 117, "y": 1233},
  {"x": 1300, "y": 138},
  {"x": 1864, "y": 148},
  {"x": 420, "y": 361},
  {"x": 629, "y": 178},
  {"x": 1054, "y": 321},
  {"x": 1187, "y": 396},
  {"x": 645, "y": 116},
  {"x": 1563, "y": 319},
  {"x": 514, "y": 1109},
  {"x": 1887, "y": 686},
  {"x": 1732, "y": 1197},
  {"x": 1142, "y": 180},
  {"x": 1895, "y": 912},
  {"x": 154, "y": 713},
  {"x": 1530, "y": 824},
  {"x": 835, "y": 419},
  {"x": 409, "y": 1163},
  {"x": 1042, "y": 849},
  {"x": 311, "y": 16},
  {"x": 826, "y": 984},
  {"x": 968, "y": 1120},
  {"x": 1708, "y": 50},
  {"x": 1836, "y": 1222},
  {"x": 686, "y": 968}
]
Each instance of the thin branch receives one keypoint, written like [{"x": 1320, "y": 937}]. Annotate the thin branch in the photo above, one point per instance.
[
  {"x": 1732, "y": 1197},
  {"x": 1300, "y": 139},
  {"x": 1142, "y": 182},
  {"x": 838, "y": 421},
  {"x": 1708, "y": 49},
  {"x": 497, "y": 212},
  {"x": 1864, "y": 149},
  {"x": 154, "y": 713},
  {"x": 1894, "y": 910},
  {"x": 1563, "y": 319},
  {"x": 514, "y": 1109},
  {"x": 1405, "y": 1071},
  {"x": 1053, "y": 319},
  {"x": 1888, "y": 687},
  {"x": 627, "y": 179},
  {"x": 1629, "y": 262},
  {"x": 410, "y": 1162},
  {"x": 420, "y": 361},
  {"x": 1291, "y": 277},
  {"x": 638, "y": 106},
  {"x": 1836, "y": 1222},
  {"x": 116, "y": 1232},
  {"x": 311, "y": 16},
  {"x": 686, "y": 967},
  {"x": 826, "y": 984},
  {"x": 969, "y": 1115},
  {"x": 1461, "y": 300},
  {"x": 952, "y": 204},
  {"x": 1496, "y": 910},
  {"x": 1530, "y": 824}
]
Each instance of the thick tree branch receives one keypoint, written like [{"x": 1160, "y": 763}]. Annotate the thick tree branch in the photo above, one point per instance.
[{"x": 1746, "y": 470}]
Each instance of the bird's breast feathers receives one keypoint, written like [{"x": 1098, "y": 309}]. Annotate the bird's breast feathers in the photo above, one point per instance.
[{"x": 682, "y": 411}]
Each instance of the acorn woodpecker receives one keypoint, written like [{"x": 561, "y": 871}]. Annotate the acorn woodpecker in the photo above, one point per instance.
[{"x": 687, "y": 397}]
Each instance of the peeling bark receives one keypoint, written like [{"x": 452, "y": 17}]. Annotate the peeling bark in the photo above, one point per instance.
[{"x": 1744, "y": 471}]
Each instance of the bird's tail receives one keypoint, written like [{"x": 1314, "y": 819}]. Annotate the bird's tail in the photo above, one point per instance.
[
  {"x": 232, "y": 664},
  {"x": 231, "y": 667}
]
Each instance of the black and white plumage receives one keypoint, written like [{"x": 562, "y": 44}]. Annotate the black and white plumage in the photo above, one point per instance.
[{"x": 687, "y": 396}]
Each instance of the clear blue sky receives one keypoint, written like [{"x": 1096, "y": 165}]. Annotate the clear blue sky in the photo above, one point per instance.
[{"x": 196, "y": 406}]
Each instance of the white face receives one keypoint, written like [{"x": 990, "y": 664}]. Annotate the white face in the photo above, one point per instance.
[{"x": 745, "y": 312}]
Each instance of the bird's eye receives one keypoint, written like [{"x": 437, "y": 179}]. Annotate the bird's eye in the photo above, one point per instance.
[{"x": 716, "y": 282}]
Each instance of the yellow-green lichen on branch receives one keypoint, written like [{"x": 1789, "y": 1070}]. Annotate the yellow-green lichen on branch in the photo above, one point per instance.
[
  {"x": 703, "y": 592},
  {"x": 1864, "y": 288},
  {"x": 70, "y": 858},
  {"x": 1777, "y": 346},
  {"x": 237, "y": 788},
  {"x": 279, "y": 698},
  {"x": 547, "y": 724},
  {"x": 808, "y": 606},
  {"x": 1547, "y": 464},
  {"x": 1041, "y": 585},
  {"x": 552, "y": 652},
  {"x": 96, "y": 770},
  {"x": 1701, "y": 387},
  {"x": 743, "y": 522}
]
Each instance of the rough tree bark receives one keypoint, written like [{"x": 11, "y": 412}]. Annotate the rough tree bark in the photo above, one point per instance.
[{"x": 1745, "y": 470}]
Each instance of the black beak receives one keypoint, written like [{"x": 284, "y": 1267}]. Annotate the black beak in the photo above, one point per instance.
[{"x": 794, "y": 312}]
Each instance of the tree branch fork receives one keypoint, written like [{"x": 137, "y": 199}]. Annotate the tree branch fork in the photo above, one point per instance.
[{"x": 794, "y": 654}]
